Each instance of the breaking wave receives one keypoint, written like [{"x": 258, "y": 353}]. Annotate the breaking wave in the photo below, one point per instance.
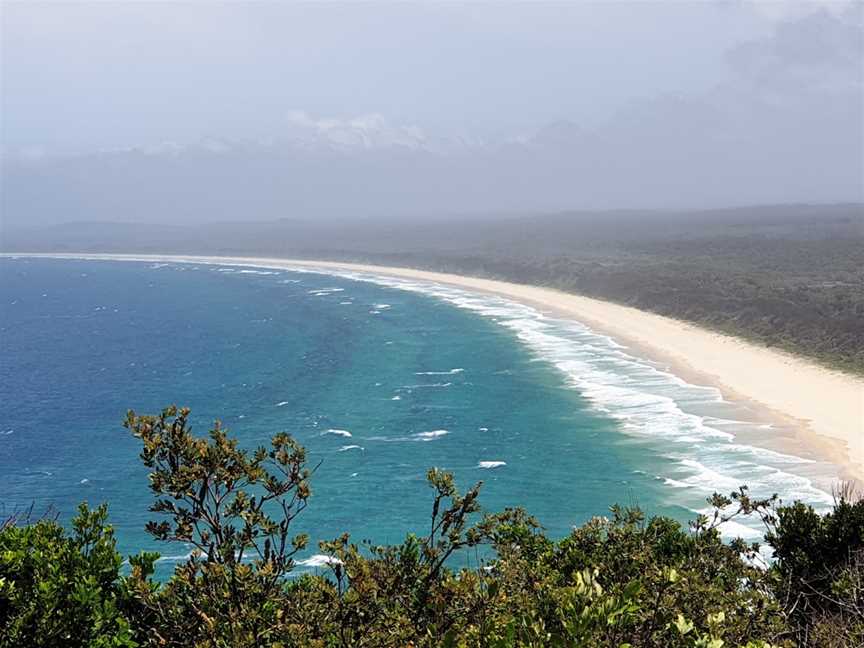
[{"x": 690, "y": 427}]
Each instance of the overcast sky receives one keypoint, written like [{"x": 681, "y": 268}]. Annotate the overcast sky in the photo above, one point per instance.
[
  {"x": 116, "y": 74},
  {"x": 203, "y": 111}
]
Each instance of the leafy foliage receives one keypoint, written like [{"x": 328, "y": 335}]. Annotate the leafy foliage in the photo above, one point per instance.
[
  {"x": 221, "y": 500},
  {"x": 623, "y": 580},
  {"x": 62, "y": 590},
  {"x": 820, "y": 566}
]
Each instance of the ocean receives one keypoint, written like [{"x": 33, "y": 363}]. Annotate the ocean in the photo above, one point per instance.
[{"x": 379, "y": 378}]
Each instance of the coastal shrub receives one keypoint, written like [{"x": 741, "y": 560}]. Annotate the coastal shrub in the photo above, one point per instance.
[
  {"x": 235, "y": 509},
  {"x": 60, "y": 588},
  {"x": 621, "y": 580},
  {"x": 820, "y": 570}
]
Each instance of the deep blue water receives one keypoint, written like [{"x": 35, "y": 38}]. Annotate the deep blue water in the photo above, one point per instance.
[{"x": 416, "y": 376}]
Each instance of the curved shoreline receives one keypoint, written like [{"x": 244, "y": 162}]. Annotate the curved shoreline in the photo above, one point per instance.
[{"x": 815, "y": 411}]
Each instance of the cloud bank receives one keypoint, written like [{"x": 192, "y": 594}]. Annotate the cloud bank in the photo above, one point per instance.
[{"x": 783, "y": 124}]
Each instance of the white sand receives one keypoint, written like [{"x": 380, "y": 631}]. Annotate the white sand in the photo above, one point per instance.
[{"x": 824, "y": 408}]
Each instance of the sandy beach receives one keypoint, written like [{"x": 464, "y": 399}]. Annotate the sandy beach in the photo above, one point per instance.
[{"x": 817, "y": 411}]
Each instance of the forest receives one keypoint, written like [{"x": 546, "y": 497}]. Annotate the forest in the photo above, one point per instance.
[
  {"x": 627, "y": 579},
  {"x": 789, "y": 276}
]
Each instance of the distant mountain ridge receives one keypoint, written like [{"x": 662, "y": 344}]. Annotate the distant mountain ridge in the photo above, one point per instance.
[{"x": 368, "y": 169}]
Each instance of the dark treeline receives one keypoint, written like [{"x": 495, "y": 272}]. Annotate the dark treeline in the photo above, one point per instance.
[
  {"x": 627, "y": 580},
  {"x": 785, "y": 276}
]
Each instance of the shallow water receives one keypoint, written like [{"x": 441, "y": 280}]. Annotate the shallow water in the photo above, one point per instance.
[{"x": 379, "y": 379}]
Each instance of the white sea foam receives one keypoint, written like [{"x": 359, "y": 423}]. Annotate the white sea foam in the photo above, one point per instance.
[
  {"x": 351, "y": 447},
  {"x": 430, "y": 436},
  {"x": 674, "y": 483},
  {"x": 175, "y": 558},
  {"x": 396, "y": 397},
  {"x": 323, "y": 292},
  {"x": 319, "y": 560},
  {"x": 649, "y": 403},
  {"x": 491, "y": 464},
  {"x": 257, "y": 272},
  {"x": 382, "y": 306},
  {"x": 281, "y": 403},
  {"x": 735, "y": 529},
  {"x": 439, "y": 373},
  {"x": 344, "y": 433}
]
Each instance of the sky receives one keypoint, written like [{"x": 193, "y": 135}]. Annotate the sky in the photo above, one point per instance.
[
  {"x": 115, "y": 74},
  {"x": 767, "y": 88}
]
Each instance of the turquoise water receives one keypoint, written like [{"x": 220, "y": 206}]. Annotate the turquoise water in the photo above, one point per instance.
[{"x": 379, "y": 380}]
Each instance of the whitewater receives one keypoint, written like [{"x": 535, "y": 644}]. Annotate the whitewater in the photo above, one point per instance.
[{"x": 571, "y": 426}]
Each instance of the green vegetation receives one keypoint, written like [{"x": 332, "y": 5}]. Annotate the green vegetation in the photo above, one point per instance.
[{"x": 625, "y": 580}]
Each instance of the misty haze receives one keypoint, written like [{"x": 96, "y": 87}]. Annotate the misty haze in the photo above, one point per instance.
[{"x": 590, "y": 254}]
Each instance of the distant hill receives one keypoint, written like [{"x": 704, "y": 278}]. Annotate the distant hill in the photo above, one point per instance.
[{"x": 666, "y": 154}]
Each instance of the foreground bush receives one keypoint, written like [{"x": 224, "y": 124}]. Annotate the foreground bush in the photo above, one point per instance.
[
  {"x": 59, "y": 589},
  {"x": 619, "y": 581}
]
